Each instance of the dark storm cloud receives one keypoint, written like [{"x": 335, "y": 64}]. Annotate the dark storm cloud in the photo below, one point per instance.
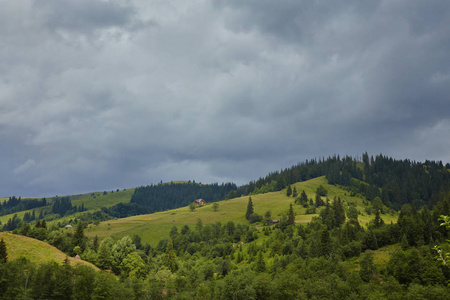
[
  {"x": 101, "y": 95},
  {"x": 85, "y": 17}
]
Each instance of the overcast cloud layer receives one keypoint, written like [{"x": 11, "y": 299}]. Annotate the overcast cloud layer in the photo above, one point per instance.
[{"x": 99, "y": 95}]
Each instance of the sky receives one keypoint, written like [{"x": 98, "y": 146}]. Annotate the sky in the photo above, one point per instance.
[{"x": 105, "y": 95}]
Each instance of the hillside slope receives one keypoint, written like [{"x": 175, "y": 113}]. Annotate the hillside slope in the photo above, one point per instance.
[
  {"x": 36, "y": 251},
  {"x": 154, "y": 227},
  {"x": 91, "y": 201}
]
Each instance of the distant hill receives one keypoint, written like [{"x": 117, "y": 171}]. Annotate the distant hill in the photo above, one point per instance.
[
  {"x": 91, "y": 202},
  {"x": 36, "y": 251}
]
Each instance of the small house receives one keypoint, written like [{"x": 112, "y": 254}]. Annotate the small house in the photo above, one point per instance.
[
  {"x": 275, "y": 221},
  {"x": 69, "y": 226},
  {"x": 199, "y": 202}
]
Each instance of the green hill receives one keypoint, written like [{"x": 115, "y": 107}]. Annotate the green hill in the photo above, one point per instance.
[
  {"x": 154, "y": 227},
  {"x": 91, "y": 201},
  {"x": 36, "y": 251}
]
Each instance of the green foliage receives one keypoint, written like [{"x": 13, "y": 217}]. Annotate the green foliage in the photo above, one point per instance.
[
  {"x": 254, "y": 218},
  {"x": 291, "y": 216},
  {"x": 3, "y": 252},
  {"x": 104, "y": 255},
  {"x": 294, "y": 192},
  {"x": 215, "y": 206},
  {"x": 249, "y": 208},
  {"x": 169, "y": 259},
  {"x": 78, "y": 236},
  {"x": 367, "y": 266},
  {"x": 321, "y": 191},
  {"x": 120, "y": 251},
  {"x": 303, "y": 199},
  {"x": 161, "y": 197},
  {"x": 289, "y": 191}
]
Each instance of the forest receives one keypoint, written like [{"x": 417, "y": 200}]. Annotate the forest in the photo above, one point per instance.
[{"x": 331, "y": 257}]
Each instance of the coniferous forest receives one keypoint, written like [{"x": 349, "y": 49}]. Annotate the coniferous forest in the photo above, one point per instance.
[{"x": 331, "y": 257}]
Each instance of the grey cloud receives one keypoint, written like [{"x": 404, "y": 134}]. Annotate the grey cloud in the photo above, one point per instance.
[
  {"x": 85, "y": 16},
  {"x": 94, "y": 96}
]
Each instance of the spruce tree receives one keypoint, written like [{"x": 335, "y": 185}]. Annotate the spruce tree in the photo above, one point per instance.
[
  {"x": 339, "y": 212},
  {"x": 291, "y": 216},
  {"x": 303, "y": 198},
  {"x": 294, "y": 192},
  {"x": 260, "y": 263},
  {"x": 325, "y": 242},
  {"x": 3, "y": 252},
  {"x": 78, "y": 236},
  {"x": 249, "y": 208},
  {"x": 367, "y": 267},
  {"x": 169, "y": 259},
  {"x": 378, "y": 222},
  {"x": 95, "y": 244},
  {"x": 289, "y": 191}
]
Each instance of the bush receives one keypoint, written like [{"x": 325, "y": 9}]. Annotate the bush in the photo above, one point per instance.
[
  {"x": 253, "y": 218},
  {"x": 322, "y": 191},
  {"x": 311, "y": 210}
]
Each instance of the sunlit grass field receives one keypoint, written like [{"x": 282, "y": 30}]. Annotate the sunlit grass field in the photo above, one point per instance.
[
  {"x": 154, "y": 227},
  {"x": 36, "y": 251}
]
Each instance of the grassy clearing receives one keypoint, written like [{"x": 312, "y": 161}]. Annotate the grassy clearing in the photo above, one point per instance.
[
  {"x": 154, "y": 227},
  {"x": 90, "y": 203},
  {"x": 36, "y": 251},
  {"x": 381, "y": 257},
  {"x": 101, "y": 200}
]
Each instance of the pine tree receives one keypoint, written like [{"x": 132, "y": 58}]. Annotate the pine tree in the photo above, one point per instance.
[
  {"x": 378, "y": 222},
  {"x": 249, "y": 208},
  {"x": 339, "y": 212},
  {"x": 104, "y": 258},
  {"x": 294, "y": 192},
  {"x": 260, "y": 263},
  {"x": 325, "y": 242},
  {"x": 289, "y": 191},
  {"x": 291, "y": 216},
  {"x": 303, "y": 199},
  {"x": 3, "y": 252},
  {"x": 319, "y": 201},
  {"x": 367, "y": 267},
  {"x": 169, "y": 259},
  {"x": 95, "y": 243},
  {"x": 78, "y": 236}
]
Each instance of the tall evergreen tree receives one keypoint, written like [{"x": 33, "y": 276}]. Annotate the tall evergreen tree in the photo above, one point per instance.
[
  {"x": 378, "y": 222},
  {"x": 249, "y": 208},
  {"x": 78, "y": 236},
  {"x": 291, "y": 216},
  {"x": 367, "y": 267},
  {"x": 325, "y": 242},
  {"x": 95, "y": 243},
  {"x": 260, "y": 263},
  {"x": 294, "y": 192},
  {"x": 3, "y": 252},
  {"x": 169, "y": 259},
  {"x": 289, "y": 191},
  {"x": 303, "y": 198},
  {"x": 339, "y": 212}
]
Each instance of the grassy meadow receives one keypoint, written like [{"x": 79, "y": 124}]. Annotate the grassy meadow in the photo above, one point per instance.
[
  {"x": 36, "y": 251},
  {"x": 154, "y": 227},
  {"x": 90, "y": 203}
]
